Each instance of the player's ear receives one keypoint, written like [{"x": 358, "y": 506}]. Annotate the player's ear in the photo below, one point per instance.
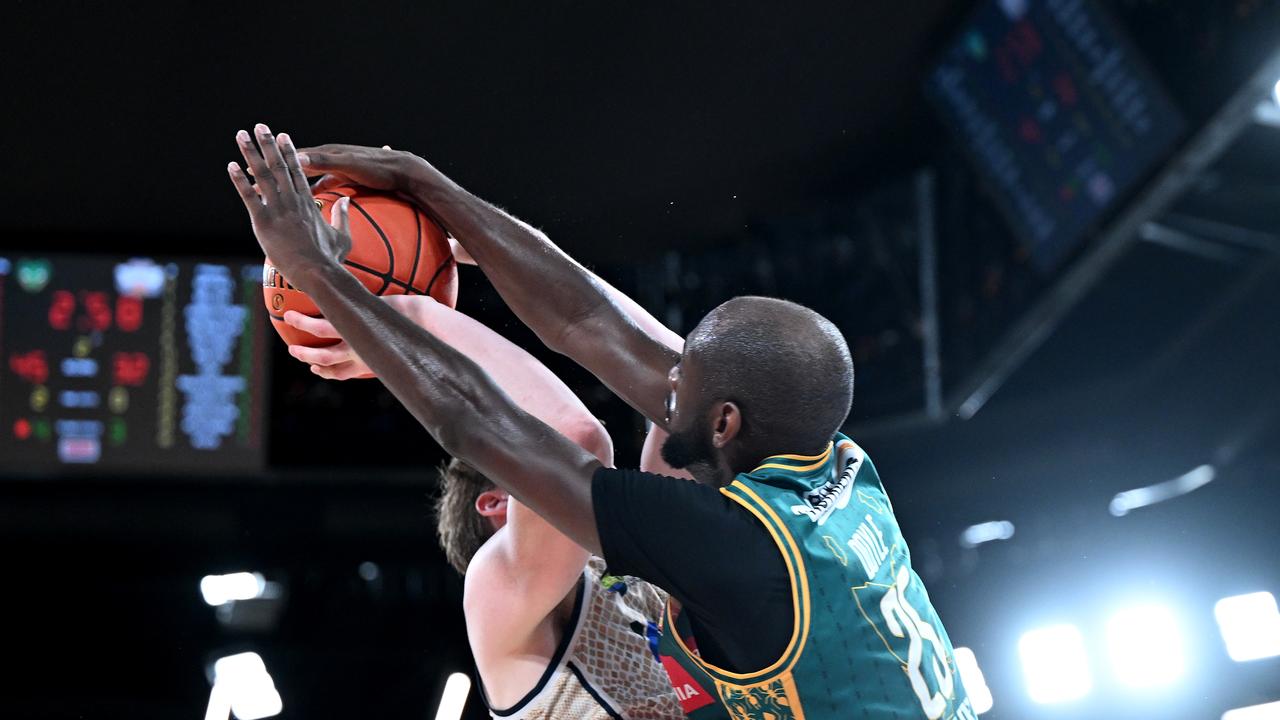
[
  {"x": 728, "y": 422},
  {"x": 492, "y": 503}
]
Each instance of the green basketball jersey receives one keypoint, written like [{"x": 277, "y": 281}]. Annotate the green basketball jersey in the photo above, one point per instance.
[{"x": 866, "y": 642}]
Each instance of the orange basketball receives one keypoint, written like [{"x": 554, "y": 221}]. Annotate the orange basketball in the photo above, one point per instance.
[{"x": 395, "y": 249}]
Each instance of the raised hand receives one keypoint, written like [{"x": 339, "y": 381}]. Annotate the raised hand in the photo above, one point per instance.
[
  {"x": 286, "y": 221},
  {"x": 339, "y": 361},
  {"x": 334, "y": 362},
  {"x": 377, "y": 168}
]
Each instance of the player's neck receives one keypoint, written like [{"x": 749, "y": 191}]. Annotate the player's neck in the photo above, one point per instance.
[{"x": 717, "y": 476}]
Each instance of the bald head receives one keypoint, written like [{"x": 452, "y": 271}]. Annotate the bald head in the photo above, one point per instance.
[{"x": 785, "y": 366}]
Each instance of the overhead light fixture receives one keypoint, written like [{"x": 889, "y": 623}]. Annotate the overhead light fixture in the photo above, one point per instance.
[
  {"x": 1129, "y": 500},
  {"x": 972, "y": 679},
  {"x": 1267, "y": 112},
  {"x": 1146, "y": 646},
  {"x": 975, "y": 535},
  {"x": 454, "y": 698},
  {"x": 222, "y": 589},
  {"x": 1266, "y": 711},
  {"x": 1055, "y": 664},
  {"x": 1250, "y": 625},
  {"x": 243, "y": 687}
]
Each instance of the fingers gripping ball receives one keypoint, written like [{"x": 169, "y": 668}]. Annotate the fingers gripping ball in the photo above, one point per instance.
[{"x": 395, "y": 249}]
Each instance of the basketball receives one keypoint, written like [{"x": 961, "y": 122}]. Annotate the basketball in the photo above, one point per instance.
[{"x": 395, "y": 249}]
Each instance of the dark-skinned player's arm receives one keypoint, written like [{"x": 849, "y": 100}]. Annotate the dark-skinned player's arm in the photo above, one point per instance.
[
  {"x": 564, "y": 303},
  {"x": 528, "y": 558},
  {"x": 450, "y": 395}
]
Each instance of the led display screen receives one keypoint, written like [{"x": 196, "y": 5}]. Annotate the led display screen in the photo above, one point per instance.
[
  {"x": 130, "y": 365},
  {"x": 1057, "y": 111}
]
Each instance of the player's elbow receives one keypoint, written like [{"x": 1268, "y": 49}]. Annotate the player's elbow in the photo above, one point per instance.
[{"x": 587, "y": 432}]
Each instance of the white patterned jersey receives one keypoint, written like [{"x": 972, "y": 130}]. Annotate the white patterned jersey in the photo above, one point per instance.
[{"x": 603, "y": 667}]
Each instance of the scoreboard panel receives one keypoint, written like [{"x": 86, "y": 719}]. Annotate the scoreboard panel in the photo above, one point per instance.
[
  {"x": 1059, "y": 114},
  {"x": 130, "y": 365}
]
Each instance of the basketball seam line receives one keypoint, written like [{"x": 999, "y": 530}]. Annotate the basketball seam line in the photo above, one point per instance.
[
  {"x": 439, "y": 270},
  {"x": 417, "y": 248},
  {"x": 391, "y": 255},
  {"x": 388, "y": 278}
]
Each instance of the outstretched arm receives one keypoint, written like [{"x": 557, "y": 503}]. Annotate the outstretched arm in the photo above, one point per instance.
[
  {"x": 528, "y": 558},
  {"x": 450, "y": 395},
  {"x": 564, "y": 303}
]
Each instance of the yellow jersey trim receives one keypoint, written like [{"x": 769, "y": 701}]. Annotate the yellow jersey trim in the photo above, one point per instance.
[
  {"x": 799, "y": 571},
  {"x": 814, "y": 461},
  {"x": 799, "y": 592}
]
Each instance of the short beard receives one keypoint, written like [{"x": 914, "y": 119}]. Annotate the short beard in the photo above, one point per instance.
[{"x": 692, "y": 450}]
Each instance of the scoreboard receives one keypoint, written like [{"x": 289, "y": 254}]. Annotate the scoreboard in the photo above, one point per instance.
[
  {"x": 1057, "y": 111},
  {"x": 130, "y": 365}
]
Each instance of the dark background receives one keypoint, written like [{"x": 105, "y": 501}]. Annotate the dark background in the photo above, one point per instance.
[{"x": 688, "y": 154}]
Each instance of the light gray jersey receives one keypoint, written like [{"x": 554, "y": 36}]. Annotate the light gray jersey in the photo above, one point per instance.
[{"x": 603, "y": 668}]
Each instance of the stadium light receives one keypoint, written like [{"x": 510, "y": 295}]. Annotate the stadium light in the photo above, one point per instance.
[
  {"x": 454, "y": 697},
  {"x": 1055, "y": 664},
  {"x": 1146, "y": 646},
  {"x": 1129, "y": 500},
  {"x": 975, "y": 535},
  {"x": 1250, "y": 625},
  {"x": 1266, "y": 711},
  {"x": 242, "y": 684},
  {"x": 1275, "y": 92},
  {"x": 222, "y": 589},
  {"x": 972, "y": 679}
]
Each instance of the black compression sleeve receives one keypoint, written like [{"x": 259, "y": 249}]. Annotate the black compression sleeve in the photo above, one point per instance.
[{"x": 707, "y": 552}]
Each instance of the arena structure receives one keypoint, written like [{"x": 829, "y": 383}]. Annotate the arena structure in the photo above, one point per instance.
[{"x": 1046, "y": 229}]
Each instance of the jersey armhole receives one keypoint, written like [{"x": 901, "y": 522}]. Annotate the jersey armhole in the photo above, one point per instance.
[{"x": 744, "y": 496}]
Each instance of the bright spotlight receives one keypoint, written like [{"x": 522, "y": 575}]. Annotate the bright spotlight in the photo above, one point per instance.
[
  {"x": 454, "y": 697},
  {"x": 1055, "y": 664},
  {"x": 1250, "y": 625},
  {"x": 1129, "y": 500},
  {"x": 1275, "y": 93},
  {"x": 974, "y": 683},
  {"x": 1146, "y": 646},
  {"x": 1266, "y": 711},
  {"x": 242, "y": 682},
  {"x": 975, "y": 535},
  {"x": 222, "y": 589}
]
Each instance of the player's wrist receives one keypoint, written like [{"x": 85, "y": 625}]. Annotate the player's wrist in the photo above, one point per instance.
[
  {"x": 422, "y": 181},
  {"x": 326, "y": 274}
]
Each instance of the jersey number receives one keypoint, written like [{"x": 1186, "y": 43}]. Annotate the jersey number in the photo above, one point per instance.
[{"x": 905, "y": 622}]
